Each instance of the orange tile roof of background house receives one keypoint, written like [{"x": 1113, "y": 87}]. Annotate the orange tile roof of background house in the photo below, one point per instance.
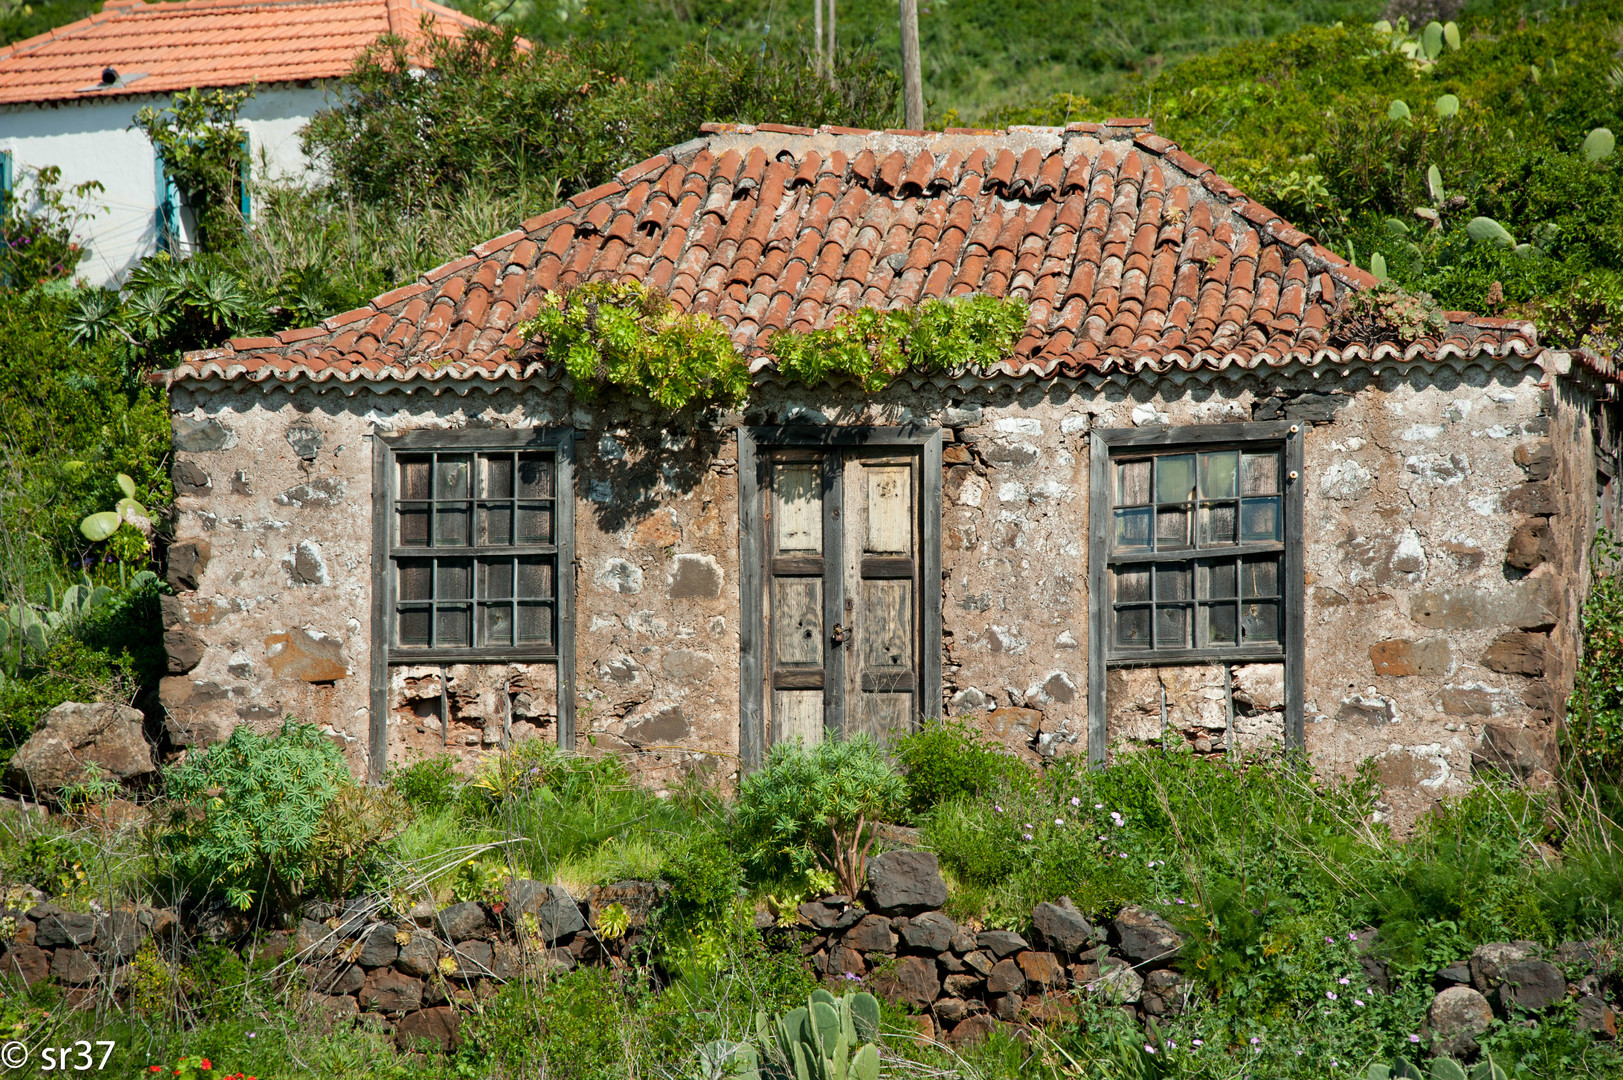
[
  {"x": 1134, "y": 256},
  {"x": 208, "y": 43}
]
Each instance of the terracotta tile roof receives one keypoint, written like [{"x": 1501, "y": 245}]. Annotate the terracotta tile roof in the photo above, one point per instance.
[
  {"x": 1133, "y": 255},
  {"x": 208, "y": 43}
]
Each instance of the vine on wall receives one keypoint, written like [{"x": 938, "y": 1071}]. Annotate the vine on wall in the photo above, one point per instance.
[{"x": 631, "y": 336}]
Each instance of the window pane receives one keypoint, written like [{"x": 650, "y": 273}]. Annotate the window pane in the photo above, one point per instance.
[
  {"x": 452, "y": 482},
  {"x": 1171, "y": 628},
  {"x": 1133, "y": 529},
  {"x": 495, "y": 525},
  {"x": 535, "y": 578},
  {"x": 535, "y": 473},
  {"x": 1217, "y": 580},
  {"x": 1175, "y": 478},
  {"x": 1260, "y": 576},
  {"x": 534, "y": 525},
  {"x": 1133, "y": 483},
  {"x": 1218, "y": 474},
  {"x": 498, "y": 480},
  {"x": 1133, "y": 584},
  {"x": 414, "y": 478},
  {"x": 535, "y": 624},
  {"x": 1218, "y": 623},
  {"x": 413, "y": 527},
  {"x": 414, "y": 580},
  {"x": 455, "y": 579},
  {"x": 1259, "y": 520},
  {"x": 414, "y": 624},
  {"x": 1172, "y": 583},
  {"x": 495, "y": 624},
  {"x": 495, "y": 579},
  {"x": 1259, "y": 474},
  {"x": 1217, "y": 524},
  {"x": 451, "y": 525},
  {"x": 1133, "y": 627},
  {"x": 1171, "y": 527},
  {"x": 1259, "y": 621},
  {"x": 453, "y": 628}
]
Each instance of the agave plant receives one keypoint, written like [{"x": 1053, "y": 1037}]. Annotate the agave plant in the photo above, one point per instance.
[{"x": 826, "y": 1039}]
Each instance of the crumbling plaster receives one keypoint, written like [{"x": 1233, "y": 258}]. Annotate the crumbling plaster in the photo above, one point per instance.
[{"x": 1417, "y": 485}]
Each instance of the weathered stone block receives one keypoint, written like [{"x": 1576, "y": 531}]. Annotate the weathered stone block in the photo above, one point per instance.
[
  {"x": 1041, "y": 969},
  {"x": 1517, "y": 653},
  {"x": 911, "y": 979},
  {"x": 389, "y": 991},
  {"x": 666, "y": 725},
  {"x": 1537, "y": 459},
  {"x": 1527, "y": 604},
  {"x": 190, "y": 479},
  {"x": 26, "y": 962},
  {"x": 685, "y": 665},
  {"x": 378, "y": 948},
  {"x": 74, "y": 967},
  {"x": 439, "y": 1027},
  {"x": 872, "y": 934},
  {"x": 1456, "y": 1017},
  {"x": 1001, "y": 943},
  {"x": 1142, "y": 936},
  {"x": 76, "y": 737},
  {"x": 962, "y": 985},
  {"x": 930, "y": 932},
  {"x": 1517, "y": 751},
  {"x": 306, "y": 656},
  {"x": 1062, "y": 927},
  {"x": 1531, "y": 544},
  {"x": 1401, "y": 657},
  {"x": 1533, "y": 985},
  {"x": 905, "y": 882},
  {"x": 202, "y": 436},
  {"x": 465, "y": 920},
  {"x": 1489, "y": 962},
  {"x": 1005, "y": 978},
  {"x": 187, "y": 561}
]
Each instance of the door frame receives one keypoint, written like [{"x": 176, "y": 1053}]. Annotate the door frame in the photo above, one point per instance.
[{"x": 752, "y": 549}]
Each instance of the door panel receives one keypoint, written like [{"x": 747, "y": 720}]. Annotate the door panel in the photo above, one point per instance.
[
  {"x": 881, "y": 592},
  {"x": 797, "y": 603},
  {"x": 798, "y": 515},
  {"x": 797, "y": 714},
  {"x": 889, "y": 509},
  {"x": 886, "y": 641}
]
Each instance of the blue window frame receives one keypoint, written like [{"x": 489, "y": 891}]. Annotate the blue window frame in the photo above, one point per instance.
[
  {"x": 168, "y": 213},
  {"x": 5, "y": 181}
]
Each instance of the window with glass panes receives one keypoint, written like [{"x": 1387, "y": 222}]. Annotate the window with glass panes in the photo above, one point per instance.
[
  {"x": 1197, "y": 550},
  {"x": 474, "y": 550}
]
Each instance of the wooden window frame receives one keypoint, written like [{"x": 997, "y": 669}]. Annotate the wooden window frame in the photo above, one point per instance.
[
  {"x": 1108, "y": 444},
  {"x": 753, "y": 547},
  {"x": 385, "y": 447}
]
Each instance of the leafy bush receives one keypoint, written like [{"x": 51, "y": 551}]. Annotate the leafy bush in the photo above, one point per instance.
[
  {"x": 874, "y": 345},
  {"x": 802, "y": 807},
  {"x": 1369, "y": 316},
  {"x": 247, "y": 813},
  {"x": 205, "y": 153},
  {"x": 948, "y": 759},
  {"x": 428, "y": 785},
  {"x": 631, "y": 337},
  {"x": 37, "y": 223},
  {"x": 1594, "y": 729},
  {"x": 358, "y": 828}
]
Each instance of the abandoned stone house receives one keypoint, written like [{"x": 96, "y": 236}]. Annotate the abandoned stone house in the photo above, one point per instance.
[{"x": 1184, "y": 508}]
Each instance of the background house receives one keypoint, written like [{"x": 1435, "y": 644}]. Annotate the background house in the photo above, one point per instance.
[{"x": 68, "y": 98}]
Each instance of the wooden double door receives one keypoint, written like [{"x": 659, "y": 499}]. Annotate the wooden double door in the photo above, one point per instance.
[{"x": 849, "y": 589}]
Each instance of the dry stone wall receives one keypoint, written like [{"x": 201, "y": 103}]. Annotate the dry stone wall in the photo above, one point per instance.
[{"x": 1446, "y": 518}]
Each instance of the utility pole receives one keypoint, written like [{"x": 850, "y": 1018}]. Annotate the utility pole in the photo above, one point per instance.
[
  {"x": 912, "y": 80},
  {"x": 817, "y": 36},
  {"x": 831, "y": 40}
]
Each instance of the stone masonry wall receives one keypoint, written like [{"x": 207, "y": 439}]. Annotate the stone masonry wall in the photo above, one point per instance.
[{"x": 1447, "y": 516}]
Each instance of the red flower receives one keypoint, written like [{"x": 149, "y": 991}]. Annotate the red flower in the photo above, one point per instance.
[
  {"x": 206, "y": 1064},
  {"x": 155, "y": 1068}
]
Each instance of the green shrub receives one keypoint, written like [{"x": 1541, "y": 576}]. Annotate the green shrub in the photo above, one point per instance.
[
  {"x": 804, "y": 806},
  {"x": 429, "y": 785},
  {"x": 247, "y": 813},
  {"x": 948, "y": 759},
  {"x": 574, "y": 1028},
  {"x": 705, "y": 877}
]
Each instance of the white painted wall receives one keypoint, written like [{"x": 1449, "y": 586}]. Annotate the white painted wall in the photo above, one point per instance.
[{"x": 93, "y": 140}]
